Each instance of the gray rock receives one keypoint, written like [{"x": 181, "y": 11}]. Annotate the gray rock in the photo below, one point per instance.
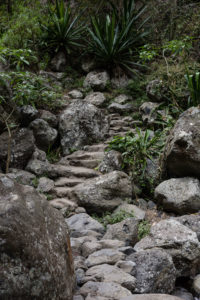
[
  {"x": 75, "y": 94},
  {"x": 183, "y": 294},
  {"x": 181, "y": 154},
  {"x": 21, "y": 176},
  {"x": 53, "y": 76},
  {"x": 138, "y": 213},
  {"x": 153, "y": 169},
  {"x": 98, "y": 99},
  {"x": 82, "y": 221},
  {"x": 105, "y": 192},
  {"x": 39, "y": 155},
  {"x": 152, "y": 297},
  {"x": 104, "y": 256},
  {"x": 78, "y": 297},
  {"x": 123, "y": 99},
  {"x": 44, "y": 134},
  {"x": 120, "y": 108},
  {"x": 59, "y": 62},
  {"x": 31, "y": 234},
  {"x": 127, "y": 266},
  {"x": 180, "y": 195},
  {"x": 80, "y": 124},
  {"x": 27, "y": 114},
  {"x": 50, "y": 118},
  {"x": 156, "y": 91},
  {"x": 196, "y": 284},
  {"x": 38, "y": 167},
  {"x": 112, "y": 161},
  {"x": 64, "y": 204},
  {"x": 45, "y": 185},
  {"x": 80, "y": 274},
  {"x": 22, "y": 147},
  {"x": 80, "y": 210},
  {"x": 90, "y": 247},
  {"x": 109, "y": 290},
  {"x": 79, "y": 263},
  {"x": 148, "y": 112},
  {"x": 178, "y": 241},
  {"x": 154, "y": 271},
  {"x": 126, "y": 230},
  {"x": 192, "y": 222},
  {"x": 97, "y": 298},
  {"x": 107, "y": 273},
  {"x": 114, "y": 244},
  {"x": 96, "y": 80}
]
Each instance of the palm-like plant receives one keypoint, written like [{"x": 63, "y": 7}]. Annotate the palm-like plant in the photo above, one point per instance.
[
  {"x": 193, "y": 82},
  {"x": 62, "y": 32},
  {"x": 114, "y": 38}
]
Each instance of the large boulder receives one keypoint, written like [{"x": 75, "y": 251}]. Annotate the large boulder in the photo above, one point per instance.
[
  {"x": 44, "y": 134},
  {"x": 81, "y": 124},
  {"x": 177, "y": 240},
  {"x": 154, "y": 271},
  {"x": 22, "y": 147},
  {"x": 180, "y": 195},
  {"x": 105, "y": 192},
  {"x": 181, "y": 155},
  {"x": 35, "y": 253},
  {"x": 96, "y": 80}
]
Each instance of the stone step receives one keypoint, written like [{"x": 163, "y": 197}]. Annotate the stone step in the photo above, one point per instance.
[
  {"x": 115, "y": 116},
  {"x": 70, "y": 182},
  {"x": 71, "y": 171},
  {"x": 80, "y": 155},
  {"x": 61, "y": 203},
  {"x": 115, "y": 123},
  {"x": 95, "y": 148},
  {"x": 87, "y": 163},
  {"x": 64, "y": 192}
]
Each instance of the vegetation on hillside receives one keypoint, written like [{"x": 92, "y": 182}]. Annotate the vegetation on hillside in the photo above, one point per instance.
[{"x": 142, "y": 40}]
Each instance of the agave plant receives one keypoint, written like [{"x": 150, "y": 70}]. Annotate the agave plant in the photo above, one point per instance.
[
  {"x": 113, "y": 39},
  {"x": 193, "y": 82},
  {"x": 63, "y": 32}
]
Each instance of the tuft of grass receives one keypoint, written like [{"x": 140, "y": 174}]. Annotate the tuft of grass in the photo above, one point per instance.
[
  {"x": 112, "y": 218},
  {"x": 53, "y": 155},
  {"x": 143, "y": 229}
]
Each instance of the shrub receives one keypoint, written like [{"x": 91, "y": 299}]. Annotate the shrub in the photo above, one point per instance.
[
  {"x": 62, "y": 31},
  {"x": 29, "y": 89},
  {"x": 18, "y": 58},
  {"x": 115, "y": 37},
  {"x": 23, "y": 29},
  {"x": 136, "y": 149}
]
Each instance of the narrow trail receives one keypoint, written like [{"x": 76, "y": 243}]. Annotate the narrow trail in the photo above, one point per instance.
[{"x": 95, "y": 256}]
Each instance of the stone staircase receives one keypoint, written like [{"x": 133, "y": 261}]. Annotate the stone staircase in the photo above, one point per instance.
[{"x": 82, "y": 165}]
